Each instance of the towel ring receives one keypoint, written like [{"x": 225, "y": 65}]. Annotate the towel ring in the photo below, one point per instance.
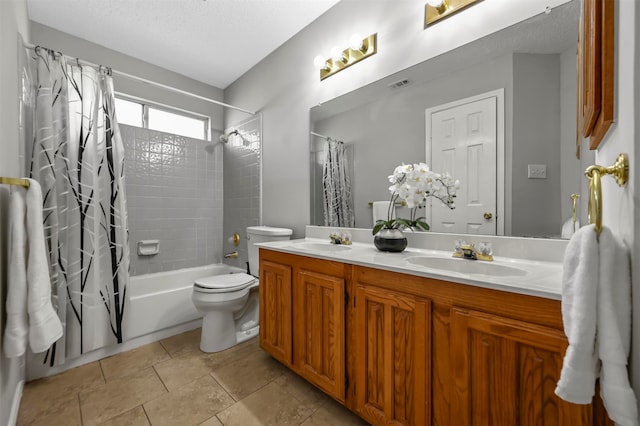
[{"x": 619, "y": 170}]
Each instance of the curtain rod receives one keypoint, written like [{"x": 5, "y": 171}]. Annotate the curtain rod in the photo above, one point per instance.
[
  {"x": 319, "y": 135},
  {"x": 153, "y": 83}
]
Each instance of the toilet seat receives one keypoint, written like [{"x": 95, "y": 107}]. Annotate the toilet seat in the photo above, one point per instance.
[{"x": 223, "y": 283}]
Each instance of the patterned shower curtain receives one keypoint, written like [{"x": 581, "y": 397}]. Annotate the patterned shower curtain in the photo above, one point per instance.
[
  {"x": 338, "y": 202},
  {"x": 75, "y": 151}
]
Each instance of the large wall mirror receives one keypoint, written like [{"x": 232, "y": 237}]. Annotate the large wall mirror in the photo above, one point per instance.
[{"x": 533, "y": 64}]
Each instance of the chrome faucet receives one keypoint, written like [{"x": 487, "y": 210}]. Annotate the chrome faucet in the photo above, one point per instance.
[{"x": 469, "y": 251}]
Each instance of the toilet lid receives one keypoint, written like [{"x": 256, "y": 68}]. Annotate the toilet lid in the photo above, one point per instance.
[{"x": 227, "y": 282}]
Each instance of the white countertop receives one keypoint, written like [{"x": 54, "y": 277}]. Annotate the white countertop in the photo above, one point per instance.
[{"x": 516, "y": 275}]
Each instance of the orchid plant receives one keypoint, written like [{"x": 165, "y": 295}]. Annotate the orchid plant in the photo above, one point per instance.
[{"x": 414, "y": 184}]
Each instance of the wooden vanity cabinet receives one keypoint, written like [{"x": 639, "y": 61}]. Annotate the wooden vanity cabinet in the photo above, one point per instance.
[
  {"x": 391, "y": 357},
  {"x": 275, "y": 310},
  {"x": 505, "y": 372},
  {"x": 406, "y": 350},
  {"x": 319, "y": 329},
  {"x": 302, "y": 317}
]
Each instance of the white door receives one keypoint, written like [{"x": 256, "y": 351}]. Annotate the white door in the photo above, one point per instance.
[{"x": 462, "y": 139}]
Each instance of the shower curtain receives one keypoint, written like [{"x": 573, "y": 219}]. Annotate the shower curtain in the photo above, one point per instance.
[
  {"x": 338, "y": 203},
  {"x": 74, "y": 150}
]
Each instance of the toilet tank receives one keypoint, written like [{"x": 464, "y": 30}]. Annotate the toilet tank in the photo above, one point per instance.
[{"x": 262, "y": 234}]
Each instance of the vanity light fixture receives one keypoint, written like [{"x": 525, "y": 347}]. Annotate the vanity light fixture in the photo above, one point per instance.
[
  {"x": 435, "y": 10},
  {"x": 359, "y": 48}
]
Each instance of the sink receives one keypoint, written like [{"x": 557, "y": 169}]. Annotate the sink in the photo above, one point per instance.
[
  {"x": 473, "y": 267},
  {"x": 326, "y": 247}
]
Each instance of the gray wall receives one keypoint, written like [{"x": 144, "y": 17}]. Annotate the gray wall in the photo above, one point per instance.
[
  {"x": 13, "y": 24},
  {"x": 242, "y": 201},
  {"x": 83, "y": 49},
  {"x": 536, "y": 140},
  {"x": 174, "y": 195},
  {"x": 285, "y": 85}
]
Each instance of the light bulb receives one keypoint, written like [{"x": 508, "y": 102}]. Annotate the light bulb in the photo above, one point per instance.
[
  {"x": 435, "y": 3},
  {"x": 320, "y": 62},
  {"x": 336, "y": 54},
  {"x": 355, "y": 42}
]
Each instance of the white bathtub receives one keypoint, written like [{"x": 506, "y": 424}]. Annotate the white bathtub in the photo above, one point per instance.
[{"x": 162, "y": 300}]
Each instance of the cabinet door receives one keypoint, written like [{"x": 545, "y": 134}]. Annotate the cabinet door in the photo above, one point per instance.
[
  {"x": 275, "y": 310},
  {"x": 319, "y": 331},
  {"x": 505, "y": 372},
  {"x": 392, "y": 359}
]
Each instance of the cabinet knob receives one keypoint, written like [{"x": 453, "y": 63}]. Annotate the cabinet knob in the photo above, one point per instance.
[{"x": 488, "y": 215}]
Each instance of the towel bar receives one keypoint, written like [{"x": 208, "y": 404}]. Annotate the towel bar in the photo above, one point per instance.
[
  {"x": 619, "y": 170},
  {"x": 397, "y": 203},
  {"x": 14, "y": 181}
]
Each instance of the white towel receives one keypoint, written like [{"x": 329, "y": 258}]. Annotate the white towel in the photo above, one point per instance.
[
  {"x": 44, "y": 324},
  {"x": 29, "y": 283},
  {"x": 569, "y": 227},
  {"x": 380, "y": 211},
  {"x": 17, "y": 326},
  {"x": 614, "y": 330},
  {"x": 579, "y": 294},
  {"x": 596, "y": 312}
]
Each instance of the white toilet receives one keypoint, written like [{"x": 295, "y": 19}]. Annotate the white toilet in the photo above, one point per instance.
[{"x": 229, "y": 303}]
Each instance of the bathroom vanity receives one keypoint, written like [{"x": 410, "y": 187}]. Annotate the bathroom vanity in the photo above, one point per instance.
[{"x": 398, "y": 342}]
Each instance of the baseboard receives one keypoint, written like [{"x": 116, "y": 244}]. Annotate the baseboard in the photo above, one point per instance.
[{"x": 15, "y": 405}]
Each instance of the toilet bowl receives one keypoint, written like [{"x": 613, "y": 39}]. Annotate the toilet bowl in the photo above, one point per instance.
[{"x": 229, "y": 303}]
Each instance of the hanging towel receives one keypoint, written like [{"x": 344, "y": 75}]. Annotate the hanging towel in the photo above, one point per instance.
[
  {"x": 569, "y": 228},
  {"x": 44, "y": 324},
  {"x": 614, "y": 330},
  {"x": 579, "y": 294},
  {"x": 596, "y": 313},
  {"x": 29, "y": 289},
  {"x": 380, "y": 211},
  {"x": 17, "y": 325}
]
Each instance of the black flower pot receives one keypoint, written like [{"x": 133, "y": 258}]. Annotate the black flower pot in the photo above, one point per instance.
[{"x": 390, "y": 240}]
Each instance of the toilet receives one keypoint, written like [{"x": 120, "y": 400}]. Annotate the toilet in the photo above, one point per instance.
[{"x": 229, "y": 303}]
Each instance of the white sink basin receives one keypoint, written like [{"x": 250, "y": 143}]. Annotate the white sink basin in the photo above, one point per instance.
[
  {"x": 325, "y": 247},
  {"x": 464, "y": 266}
]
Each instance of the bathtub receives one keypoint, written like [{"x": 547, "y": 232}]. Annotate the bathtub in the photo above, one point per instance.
[{"x": 162, "y": 300}]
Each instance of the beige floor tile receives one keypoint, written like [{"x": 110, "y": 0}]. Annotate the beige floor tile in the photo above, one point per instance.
[
  {"x": 179, "y": 371},
  {"x": 213, "y": 421},
  {"x": 183, "y": 343},
  {"x": 189, "y": 405},
  {"x": 65, "y": 412},
  {"x": 120, "y": 395},
  {"x": 135, "y": 417},
  {"x": 50, "y": 393},
  {"x": 302, "y": 390},
  {"x": 235, "y": 353},
  {"x": 248, "y": 374},
  {"x": 333, "y": 414},
  {"x": 271, "y": 405},
  {"x": 132, "y": 361}
]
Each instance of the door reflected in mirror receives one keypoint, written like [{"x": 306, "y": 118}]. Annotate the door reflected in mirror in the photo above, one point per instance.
[{"x": 385, "y": 124}]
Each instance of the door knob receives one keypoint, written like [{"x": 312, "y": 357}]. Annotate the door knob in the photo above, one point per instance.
[{"x": 487, "y": 215}]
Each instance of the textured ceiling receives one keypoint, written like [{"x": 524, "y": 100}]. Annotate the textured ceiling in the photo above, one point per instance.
[{"x": 213, "y": 41}]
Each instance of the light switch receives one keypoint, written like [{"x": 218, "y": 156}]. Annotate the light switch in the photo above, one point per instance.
[{"x": 537, "y": 171}]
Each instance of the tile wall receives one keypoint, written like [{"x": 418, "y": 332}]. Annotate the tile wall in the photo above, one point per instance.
[
  {"x": 175, "y": 195},
  {"x": 242, "y": 177}
]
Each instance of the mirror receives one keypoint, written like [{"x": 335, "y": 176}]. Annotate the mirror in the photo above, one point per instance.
[{"x": 384, "y": 124}]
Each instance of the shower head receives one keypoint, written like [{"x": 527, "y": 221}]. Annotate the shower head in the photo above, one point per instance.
[{"x": 224, "y": 138}]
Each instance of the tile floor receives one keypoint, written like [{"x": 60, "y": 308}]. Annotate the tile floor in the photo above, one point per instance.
[{"x": 171, "y": 382}]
